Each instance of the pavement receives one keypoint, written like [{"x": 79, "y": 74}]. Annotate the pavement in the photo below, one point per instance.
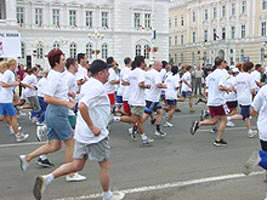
[{"x": 177, "y": 167}]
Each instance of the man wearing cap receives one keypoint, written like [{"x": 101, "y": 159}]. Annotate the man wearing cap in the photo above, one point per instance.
[{"x": 91, "y": 136}]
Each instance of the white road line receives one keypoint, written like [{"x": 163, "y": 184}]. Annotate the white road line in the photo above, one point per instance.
[
  {"x": 20, "y": 144},
  {"x": 168, "y": 185}
]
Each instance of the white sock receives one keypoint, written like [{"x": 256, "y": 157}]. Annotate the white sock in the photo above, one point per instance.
[
  {"x": 107, "y": 195},
  {"x": 144, "y": 137},
  {"x": 43, "y": 157},
  {"x": 49, "y": 178},
  {"x": 116, "y": 118}
]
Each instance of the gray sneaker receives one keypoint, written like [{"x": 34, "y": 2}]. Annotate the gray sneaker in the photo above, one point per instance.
[
  {"x": 39, "y": 187},
  {"x": 20, "y": 137},
  {"x": 251, "y": 163}
]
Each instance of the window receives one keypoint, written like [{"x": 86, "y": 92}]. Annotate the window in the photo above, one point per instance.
[
  {"x": 242, "y": 55},
  {"x": 170, "y": 40},
  {"x": 233, "y": 9},
  {"x": 263, "y": 29},
  {"x": 244, "y": 7},
  {"x": 89, "y": 19},
  {"x": 72, "y": 17},
  {"x": 55, "y": 16},
  {"x": 104, "y": 51},
  {"x": 194, "y": 16},
  {"x": 182, "y": 21},
  {"x": 89, "y": 48},
  {"x": 170, "y": 23},
  {"x": 175, "y": 22},
  {"x": 3, "y": 9},
  {"x": 182, "y": 57},
  {"x": 204, "y": 56},
  {"x": 73, "y": 50},
  {"x": 104, "y": 19},
  {"x": 214, "y": 34},
  {"x": 264, "y": 4},
  {"x": 223, "y": 11},
  {"x": 233, "y": 32},
  {"x": 175, "y": 58},
  {"x": 40, "y": 52},
  {"x": 20, "y": 15},
  {"x": 138, "y": 50},
  {"x": 147, "y": 20},
  {"x": 146, "y": 52},
  {"x": 205, "y": 36},
  {"x": 206, "y": 15},
  {"x": 262, "y": 53},
  {"x": 193, "y": 57},
  {"x": 56, "y": 45},
  {"x": 176, "y": 40},
  {"x": 22, "y": 50},
  {"x": 223, "y": 33},
  {"x": 182, "y": 39},
  {"x": 137, "y": 20},
  {"x": 38, "y": 16},
  {"x": 243, "y": 31},
  {"x": 214, "y": 13},
  {"x": 194, "y": 37}
]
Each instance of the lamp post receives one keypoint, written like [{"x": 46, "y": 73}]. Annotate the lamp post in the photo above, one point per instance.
[{"x": 95, "y": 36}]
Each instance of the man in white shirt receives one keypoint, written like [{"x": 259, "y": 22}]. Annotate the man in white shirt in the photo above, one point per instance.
[
  {"x": 245, "y": 87},
  {"x": 153, "y": 96},
  {"x": 81, "y": 75},
  {"x": 91, "y": 137},
  {"x": 256, "y": 75},
  {"x": 216, "y": 101},
  {"x": 8, "y": 84},
  {"x": 187, "y": 87}
]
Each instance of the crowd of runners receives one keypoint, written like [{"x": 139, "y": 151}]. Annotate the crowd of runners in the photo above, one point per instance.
[{"x": 75, "y": 103}]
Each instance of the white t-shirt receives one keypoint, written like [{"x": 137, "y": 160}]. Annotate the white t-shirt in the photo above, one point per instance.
[
  {"x": 256, "y": 77},
  {"x": 126, "y": 91},
  {"x": 81, "y": 74},
  {"x": 94, "y": 96},
  {"x": 32, "y": 81},
  {"x": 172, "y": 82},
  {"x": 112, "y": 77},
  {"x": 244, "y": 83},
  {"x": 137, "y": 94},
  {"x": 214, "y": 80},
  {"x": 56, "y": 86},
  {"x": 121, "y": 87},
  {"x": 260, "y": 105},
  {"x": 72, "y": 86},
  {"x": 153, "y": 78},
  {"x": 41, "y": 86},
  {"x": 188, "y": 78},
  {"x": 231, "y": 96},
  {"x": 6, "y": 94}
]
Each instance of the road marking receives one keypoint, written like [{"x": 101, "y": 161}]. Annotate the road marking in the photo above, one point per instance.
[
  {"x": 232, "y": 128},
  {"x": 20, "y": 144},
  {"x": 168, "y": 185}
]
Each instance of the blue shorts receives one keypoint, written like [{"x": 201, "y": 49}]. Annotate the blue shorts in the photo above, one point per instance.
[
  {"x": 151, "y": 107},
  {"x": 171, "y": 102},
  {"x": 7, "y": 109},
  {"x": 245, "y": 111},
  {"x": 57, "y": 122},
  {"x": 186, "y": 94},
  {"x": 119, "y": 100}
]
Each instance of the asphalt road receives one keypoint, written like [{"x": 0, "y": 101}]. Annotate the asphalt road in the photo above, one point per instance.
[{"x": 179, "y": 166}]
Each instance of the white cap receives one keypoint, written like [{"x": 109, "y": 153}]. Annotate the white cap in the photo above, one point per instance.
[{"x": 235, "y": 70}]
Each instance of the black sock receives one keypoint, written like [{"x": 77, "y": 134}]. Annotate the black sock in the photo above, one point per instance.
[{"x": 158, "y": 127}]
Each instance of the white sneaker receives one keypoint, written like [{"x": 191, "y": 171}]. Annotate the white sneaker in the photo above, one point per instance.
[
  {"x": 23, "y": 163},
  {"x": 20, "y": 137},
  {"x": 251, "y": 163},
  {"x": 39, "y": 133},
  {"x": 230, "y": 124},
  {"x": 168, "y": 124},
  {"x": 75, "y": 178},
  {"x": 39, "y": 187},
  {"x": 130, "y": 130},
  {"x": 252, "y": 133},
  {"x": 116, "y": 196},
  {"x": 160, "y": 133},
  {"x": 11, "y": 131}
]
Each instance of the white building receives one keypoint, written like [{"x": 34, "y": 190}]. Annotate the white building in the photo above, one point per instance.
[{"x": 122, "y": 27}]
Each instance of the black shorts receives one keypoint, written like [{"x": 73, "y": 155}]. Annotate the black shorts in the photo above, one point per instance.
[{"x": 232, "y": 104}]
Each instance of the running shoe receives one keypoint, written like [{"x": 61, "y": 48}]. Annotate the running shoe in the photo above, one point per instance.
[
  {"x": 134, "y": 133},
  {"x": 252, "y": 133},
  {"x": 152, "y": 121},
  {"x": 168, "y": 124},
  {"x": 160, "y": 133},
  {"x": 117, "y": 196},
  {"x": 230, "y": 124},
  {"x": 75, "y": 178},
  {"x": 23, "y": 163},
  {"x": 20, "y": 137},
  {"x": 147, "y": 141},
  {"x": 214, "y": 130},
  {"x": 39, "y": 187},
  {"x": 44, "y": 163},
  {"x": 220, "y": 143},
  {"x": 251, "y": 163},
  {"x": 194, "y": 127}
]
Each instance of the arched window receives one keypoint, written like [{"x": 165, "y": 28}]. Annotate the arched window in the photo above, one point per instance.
[
  {"x": 138, "y": 50},
  {"x": 73, "y": 50},
  {"x": 89, "y": 48},
  {"x": 22, "y": 50},
  {"x": 104, "y": 49},
  {"x": 147, "y": 50},
  {"x": 40, "y": 51},
  {"x": 262, "y": 55},
  {"x": 56, "y": 45},
  {"x": 242, "y": 55}
]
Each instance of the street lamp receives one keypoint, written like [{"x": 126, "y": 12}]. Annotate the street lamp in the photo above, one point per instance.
[{"x": 95, "y": 36}]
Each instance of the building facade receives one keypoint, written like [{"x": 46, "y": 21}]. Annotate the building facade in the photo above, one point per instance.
[
  {"x": 200, "y": 30},
  {"x": 101, "y": 28}
]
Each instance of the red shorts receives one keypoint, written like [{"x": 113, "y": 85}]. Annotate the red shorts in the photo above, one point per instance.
[
  {"x": 217, "y": 111},
  {"x": 126, "y": 107},
  {"x": 111, "y": 98}
]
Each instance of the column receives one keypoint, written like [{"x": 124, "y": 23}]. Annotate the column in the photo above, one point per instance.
[{"x": 11, "y": 6}]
